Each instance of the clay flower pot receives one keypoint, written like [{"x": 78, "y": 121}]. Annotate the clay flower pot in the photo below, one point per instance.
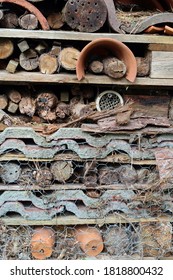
[
  {"x": 90, "y": 240},
  {"x": 103, "y": 45},
  {"x": 32, "y": 9},
  {"x": 42, "y": 242}
]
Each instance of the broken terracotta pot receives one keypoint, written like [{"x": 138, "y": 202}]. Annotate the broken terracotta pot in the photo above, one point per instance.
[
  {"x": 32, "y": 9},
  {"x": 111, "y": 46},
  {"x": 42, "y": 242},
  {"x": 168, "y": 30},
  {"x": 154, "y": 29},
  {"x": 90, "y": 240}
]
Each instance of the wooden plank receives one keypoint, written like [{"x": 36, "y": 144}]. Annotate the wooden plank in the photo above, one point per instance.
[
  {"x": 58, "y": 187},
  {"x": 82, "y": 36},
  {"x": 119, "y": 158},
  {"x": 72, "y": 220},
  {"x": 160, "y": 47},
  {"x": 66, "y": 78},
  {"x": 161, "y": 65}
]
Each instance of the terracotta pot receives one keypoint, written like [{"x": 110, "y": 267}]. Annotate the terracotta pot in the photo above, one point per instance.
[
  {"x": 103, "y": 45},
  {"x": 90, "y": 240},
  {"x": 42, "y": 242},
  {"x": 154, "y": 29},
  {"x": 32, "y": 9}
]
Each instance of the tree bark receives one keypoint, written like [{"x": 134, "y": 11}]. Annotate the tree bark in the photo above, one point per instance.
[
  {"x": 6, "y": 48},
  {"x": 143, "y": 66},
  {"x": 48, "y": 63},
  {"x": 62, "y": 170},
  {"x": 43, "y": 177},
  {"x": 62, "y": 110},
  {"x": 68, "y": 58},
  {"x": 29, "y": 60},
  {"x": 108, "y": 175},
  {"x": 79, "y": 110},
  {"x": 114, "y": 67},
  {"x": 46, "y": 100}
]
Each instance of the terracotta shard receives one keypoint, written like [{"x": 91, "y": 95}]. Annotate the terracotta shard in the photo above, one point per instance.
[
  {"x": 154, "y": 29},
  {"x": 107, "y": 45},
  {"x": 42, "y": 243},
  {"x": 32, "y": 9},
  {"x": 168, "y": 30},
  {"x": 90, "y": 240}
]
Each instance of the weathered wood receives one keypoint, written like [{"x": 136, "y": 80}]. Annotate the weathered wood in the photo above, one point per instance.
[
  {"x": 14, "y": 95},
  {"x": 89, "y": 175},
  {"x": 56, "y": 49},
  {"x": 68, "y": 58},
  {"x": 10, "y": 172},
  {"x": 55, "y": 20},
  {"x": 3, "y": 101},
  {"x": 28, "y": 21},
  {"x": 6, "y": 48},
  {"x": 143, "y": 66},
  {"x": 160, "y": 47},
  {"x": 62, "y": 110},
  {"x": 29, "y": 60},
  {"x": 128, "y": 175},
  {"x": 114, "y": 67},
  {"x": 87, "y": 16},
  {"x": 79, "y": 110},
  {"x": 48, "y": 63},
  {"x": 96, "y": 67},
  {"x": 62, "y": 170},
  {"x": 12, "y": 66},
  {"x": 23, "y": 46},
  {"x": 27, "y": 106},
  {"x": 43, "y": 177},
  {"x": 46, "y": 100},
  {"x": 41, "y": 48},
  {"x": 10, "y": 20},
  {"x": 47, "y": 114},
  {"x": 64, "y": 96},
  {"x": 12, "y": 107},
  {"x": 161, "y": 65},
  {"x": 108, "y": 175}
]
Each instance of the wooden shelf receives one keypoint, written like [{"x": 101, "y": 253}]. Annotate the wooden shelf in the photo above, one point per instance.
[
  {"x": 72, "y": 220},
  {"x": 66, "y": 78},
  {"x": 82, "y": 36}
]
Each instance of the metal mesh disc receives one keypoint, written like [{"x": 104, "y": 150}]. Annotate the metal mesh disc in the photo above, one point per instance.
[{"x": 108, "y": 100}]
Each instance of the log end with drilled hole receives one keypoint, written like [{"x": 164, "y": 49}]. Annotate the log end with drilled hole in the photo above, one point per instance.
[
  {"x": 42, "y": 243},
  {"x": 85, "y": 16},
  {"x": 89, "y": 239},
  {"x": 68, "y": 58}
]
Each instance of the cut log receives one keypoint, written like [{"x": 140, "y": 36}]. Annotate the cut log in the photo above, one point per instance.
[
  {"x": 85, "y": 16},
  {"x": 62, "y": 110},
  {"x": 23, "y": 46},
  {"x": 96, "y": 67},
  {"x": 48, "y": 63},
  {"x": 47, "y": 114},
  {"x": 14, "y": 95},
  {"x": 46, "y": 100},
  {"x": 6, "y": 48},
  {"x": 28, "y": 22},
  {"x": 1, "y": 14},
  {"x": 114, "y": 67},
  {"x": 10, "y": 20},
  {"x": 128, "y": 175},
  {"x": 143, "y": 66},
  {"x": 79, "y": 110},
  {"x": 3, "y": 101},
  {"x": 108, "y": 175},
  {"x": 89, "y": 178},
  {"x": 55, "y": 20},
  {"x": 43, "y": 177},
  {"x": 12, "y": 107},
  {"x": 41, "y": 48},
  {"x": 27, "y": 106},
  {"x": 68, "y": 58},
  {"x": 12, "y": 66},
  {"x": 10, "y": 172},
  {"x": 29, "y": 60},
  {"x": 56, "y": 49},
  {"x": 62, "y": 170}
]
